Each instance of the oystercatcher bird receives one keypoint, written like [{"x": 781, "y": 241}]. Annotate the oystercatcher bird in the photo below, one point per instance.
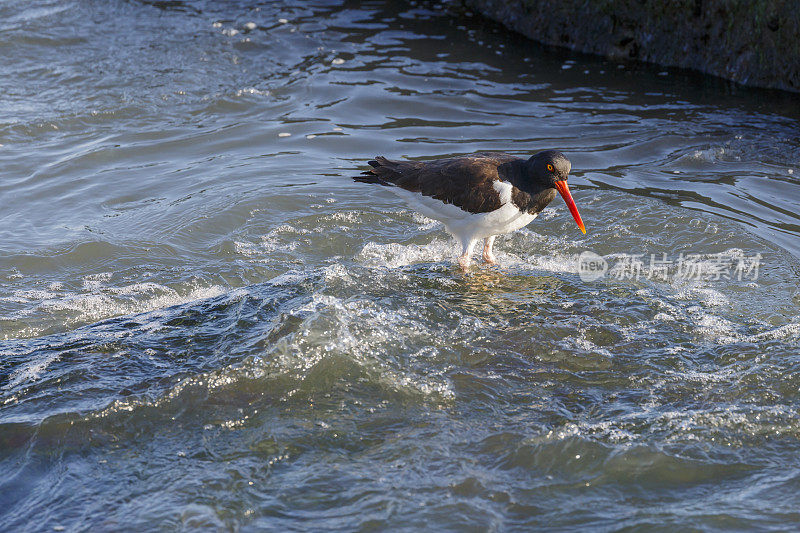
[{"x": 478, "y": 196}]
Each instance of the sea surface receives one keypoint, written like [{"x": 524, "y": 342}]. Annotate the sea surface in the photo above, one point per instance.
[{"x": 206, "y": 324}]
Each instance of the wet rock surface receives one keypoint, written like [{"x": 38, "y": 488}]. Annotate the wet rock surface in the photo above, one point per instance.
[{"x": 754, "y": 43}]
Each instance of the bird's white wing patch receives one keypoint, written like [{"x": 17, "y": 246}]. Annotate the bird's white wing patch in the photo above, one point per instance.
[
  {"x": 431, "y": 207},
  {"x": 504, "y": 189}
]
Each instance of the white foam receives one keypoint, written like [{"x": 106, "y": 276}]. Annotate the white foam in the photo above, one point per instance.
[
  {"x": 555, "y": 263},
  {"x": 281, "y": 238},
  {"x": 395, "y": 255},
  {"x": 95, "y": 281},
  {"x": 337, "y": 272},
  {"x": 423, "y": 222},
  {"x": 269, "y": 243},
  {"x": 609, "y": 431},
  {"x": 664, "y": 317},
  {"x": 30, "y": 370},
  {"x": 709, "y": 155},
  {"x": 291, "y": 277},
  {"x": 344, "y": 216},
  {"x": 168, "y": 298},
  {"x": 716, "y": 328},
  {"x": 589, "y": 346},
  {"x": 251, "y": 90},
  {"x": 787, "y": 331},
  {"x": 705, "y": 295},
  {"x": 98, "y": 303},
  {"x": 25, "y": 296}
]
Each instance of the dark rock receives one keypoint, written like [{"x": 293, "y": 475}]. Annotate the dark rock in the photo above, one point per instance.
[{"x": 751, "y": 42}]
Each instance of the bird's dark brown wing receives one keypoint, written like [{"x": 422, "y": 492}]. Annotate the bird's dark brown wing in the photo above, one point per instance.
[{"x": 466, "y": 182}]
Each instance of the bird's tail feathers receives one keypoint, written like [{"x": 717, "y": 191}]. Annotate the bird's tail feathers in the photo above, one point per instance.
[
  {"x": 369, "y": 177},
  {"x": 382, "y": 172}
]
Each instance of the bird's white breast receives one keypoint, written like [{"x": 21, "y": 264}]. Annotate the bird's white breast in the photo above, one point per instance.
[{"x": 468, "y": 226}]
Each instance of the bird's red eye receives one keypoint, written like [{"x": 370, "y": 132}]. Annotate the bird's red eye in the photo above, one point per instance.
[{"x": 549, "y": 167}]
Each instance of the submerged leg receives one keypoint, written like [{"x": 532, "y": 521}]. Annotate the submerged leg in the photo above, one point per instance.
[
  {"x": 466, "y": 253},
  {"x": 488, "y": 256}
]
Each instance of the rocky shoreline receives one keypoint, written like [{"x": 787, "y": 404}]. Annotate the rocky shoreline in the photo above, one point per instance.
[{"x": 755, "y": 43}]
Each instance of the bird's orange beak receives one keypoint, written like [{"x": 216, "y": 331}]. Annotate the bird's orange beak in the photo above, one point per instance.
[{"x": 562, "y": 188}]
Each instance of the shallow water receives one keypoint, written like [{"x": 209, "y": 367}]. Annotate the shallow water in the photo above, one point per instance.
[{"x": 205, "y": 323}]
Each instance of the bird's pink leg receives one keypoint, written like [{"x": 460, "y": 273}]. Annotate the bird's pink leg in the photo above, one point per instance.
[
  {"x": 488, "y": 256},
  {"x": 465, "y": 258}
]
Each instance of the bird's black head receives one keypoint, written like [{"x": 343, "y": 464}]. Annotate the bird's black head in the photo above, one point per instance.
[
  {"x": 549, "y": 170},
  {"x": 548, "y": 167}
]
